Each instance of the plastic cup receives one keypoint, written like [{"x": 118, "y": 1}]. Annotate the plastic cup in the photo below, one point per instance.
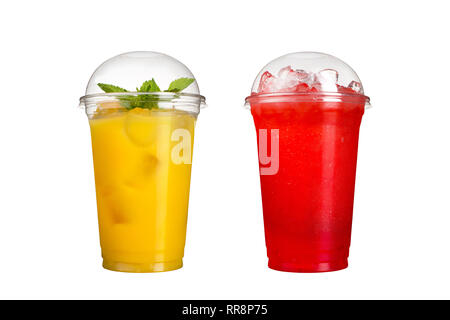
[
  {"x": 142, "y": 148},
  {"x": 307, "y": 109}
]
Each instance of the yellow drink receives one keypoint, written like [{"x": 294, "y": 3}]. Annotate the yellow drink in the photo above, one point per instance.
[{"x": 142, "y": 175}]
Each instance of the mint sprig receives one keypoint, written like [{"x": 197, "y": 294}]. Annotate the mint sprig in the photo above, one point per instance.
[
  {"x": 146, "y": 101},
  {"x": 149, "y": 86}
]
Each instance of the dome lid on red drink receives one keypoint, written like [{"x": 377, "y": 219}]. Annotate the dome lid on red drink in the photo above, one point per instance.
[
  {"x": 155, "y": 75},
  {"x": 307, "y": 76}
]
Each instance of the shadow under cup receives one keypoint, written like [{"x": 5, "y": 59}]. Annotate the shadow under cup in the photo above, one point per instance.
[{"x": 307, "y": 149}]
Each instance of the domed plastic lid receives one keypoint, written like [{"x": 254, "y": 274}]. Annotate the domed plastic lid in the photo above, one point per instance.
[
  {"x": 144, "y": 79},
  {"x": 307, "y": 76}
]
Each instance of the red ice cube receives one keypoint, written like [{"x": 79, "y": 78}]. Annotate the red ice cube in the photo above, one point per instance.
[{"x": 266, "y": 76}]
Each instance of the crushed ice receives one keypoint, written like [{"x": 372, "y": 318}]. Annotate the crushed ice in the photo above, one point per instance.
[{"x": 289, "y": 80}]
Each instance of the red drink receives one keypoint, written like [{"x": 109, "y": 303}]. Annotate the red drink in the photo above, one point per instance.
[
  {"x": 308, "y": 204},
  {"x": 308, "y": 197}
]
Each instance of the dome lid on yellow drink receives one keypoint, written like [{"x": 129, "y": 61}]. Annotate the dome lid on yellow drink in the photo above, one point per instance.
[
  {"x": 306, "y": 76},
  {"x": 144, "y": 79}
]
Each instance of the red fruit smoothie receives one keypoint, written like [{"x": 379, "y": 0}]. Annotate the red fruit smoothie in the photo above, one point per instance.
[{"x": 308, "y": 202}]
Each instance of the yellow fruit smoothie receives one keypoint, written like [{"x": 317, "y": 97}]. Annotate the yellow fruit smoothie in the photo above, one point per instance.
[{"x": 142, "y": 164}]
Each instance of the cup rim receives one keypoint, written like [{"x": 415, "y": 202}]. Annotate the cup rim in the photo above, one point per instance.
[
  {"x": 307, "y": 97},
  {"x": 311, "y": 95},
  {"x": 188, "y": 102},
  {"x": 179, "y": 97}
]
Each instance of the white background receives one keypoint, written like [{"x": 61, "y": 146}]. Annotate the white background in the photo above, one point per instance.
[{"x": 49, "y": 246}]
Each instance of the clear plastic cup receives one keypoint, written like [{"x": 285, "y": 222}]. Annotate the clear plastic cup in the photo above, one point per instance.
[
  {"x": 307, "y": 109},
  {"x": 142, "y": 108}
]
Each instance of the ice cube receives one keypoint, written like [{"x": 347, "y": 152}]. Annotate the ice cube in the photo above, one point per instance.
[
  {"x": 326, "y": 80},
  {"x": 107, "y": 108},
  {"x": 264, "y": 78},
  {"x": 287, "y": 80},
  {"x": 142, "y": 171},
  {"x": 284, "y": 72},
  {"x": 304, "y": 76},
  {"x": 141, "y": 127},
  {"x": 355, "y": 86},
  {"x": 327, "y": 76},
  {"x": 114, "y": 201}
]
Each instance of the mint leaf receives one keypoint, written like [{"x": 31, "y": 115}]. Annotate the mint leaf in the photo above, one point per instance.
[
  {"x": 180, "y": 84},
  {"x": 149, "y": 86},
  {"x": 110, "y": 88}
]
